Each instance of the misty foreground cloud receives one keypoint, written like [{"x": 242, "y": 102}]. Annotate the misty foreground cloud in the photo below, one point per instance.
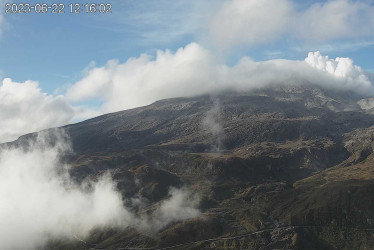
[
  {"x": 25, "y": 109},
  {"x": 39, "y": 201},
  {"x": 193, "y": 70}
]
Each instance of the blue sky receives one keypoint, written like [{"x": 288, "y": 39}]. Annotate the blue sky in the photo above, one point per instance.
[
  {"x": 54, "y": 48},
  {"x": 77, "y": 66}
]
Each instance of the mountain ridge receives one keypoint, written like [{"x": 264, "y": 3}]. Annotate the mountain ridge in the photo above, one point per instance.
[{"x": 292, "y": 160}]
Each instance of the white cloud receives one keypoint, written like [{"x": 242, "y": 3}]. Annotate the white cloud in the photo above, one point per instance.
[
  {"x": 254, "y": 22},
  {"x": 336, "y": 19},
  {"x": 193, "y": 70},
  {"x": 189, "y": 71},
  {"x": 249, "y": 22},
  {"x": 85, "y": 112},
  {"x": 181, "y": 205},
  {"x": 40, "y": 202},
  {"x": 25, "y": 108},
  {"x": 340, "y": 67},
  {"x": 98, "y": 80},
  {"x": 143, "y": 80}
]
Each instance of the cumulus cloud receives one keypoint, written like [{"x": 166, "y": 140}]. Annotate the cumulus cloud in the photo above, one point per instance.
[
  {"x": 193, "y": 70},
  {"x": 339, "y": 67},
  {"x": 25, "y": 108},
  {"x": 40, "y": 202},
  {"x": 253, "y": 22}
]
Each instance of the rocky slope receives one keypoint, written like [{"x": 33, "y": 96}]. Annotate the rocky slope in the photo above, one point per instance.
[{"x": 294, "y": 164}]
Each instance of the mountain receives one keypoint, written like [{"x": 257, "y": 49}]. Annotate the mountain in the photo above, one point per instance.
[{"x": 288, "y": 167}]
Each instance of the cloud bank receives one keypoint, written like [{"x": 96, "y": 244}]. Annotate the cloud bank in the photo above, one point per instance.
[
  {"x": 255, "y": 22},
  {"x": 143, "y": 80},
  {"x": 193, "y": 70},
  {"x": 25, "y": 109},
  {"x": 40, "y": 202}
]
